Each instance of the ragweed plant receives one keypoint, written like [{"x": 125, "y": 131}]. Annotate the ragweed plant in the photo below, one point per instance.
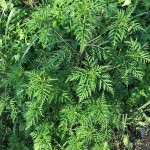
[{"x": 73, "y": 74}]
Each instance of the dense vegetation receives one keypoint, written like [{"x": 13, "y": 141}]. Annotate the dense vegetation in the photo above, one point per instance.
[{"x": 74, "y": 74}]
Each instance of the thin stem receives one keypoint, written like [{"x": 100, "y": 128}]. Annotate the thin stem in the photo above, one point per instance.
[
  {"x": 96, "y": 38},
  {"x": 141, "y": 14},
  {"x": 63, "y": 39},
  {"x": 114, "y": 67}
]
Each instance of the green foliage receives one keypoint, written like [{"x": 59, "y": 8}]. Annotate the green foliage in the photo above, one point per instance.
[
  {"x": 73, "y": 74},
  {"x": 42, "y": 137}
]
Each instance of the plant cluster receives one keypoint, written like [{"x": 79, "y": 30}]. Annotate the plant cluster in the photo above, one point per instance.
[{"x": 74, "y": 75}]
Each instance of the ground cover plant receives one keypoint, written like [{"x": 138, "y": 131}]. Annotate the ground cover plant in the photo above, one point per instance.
[{"x": 74, "y": 74}]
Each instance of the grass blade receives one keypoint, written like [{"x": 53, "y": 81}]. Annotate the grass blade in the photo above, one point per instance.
[
  {"x": 28, "y": 48},
  {"x": 8, "y": 21}
]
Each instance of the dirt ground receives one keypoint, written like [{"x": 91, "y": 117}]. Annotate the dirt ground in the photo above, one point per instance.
[{"x": 143, "y": 144}]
